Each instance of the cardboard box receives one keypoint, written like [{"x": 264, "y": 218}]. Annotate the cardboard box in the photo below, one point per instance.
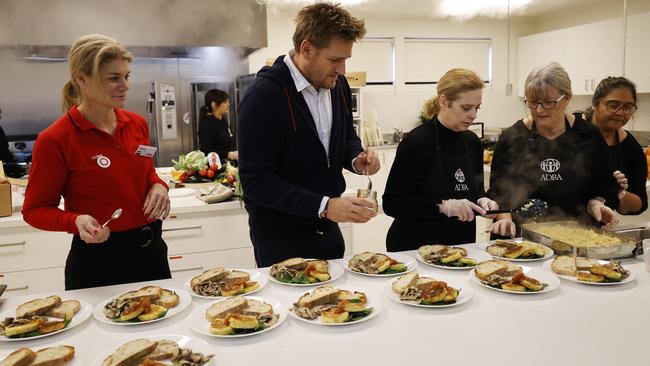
[
  {"x": 356, "y": 78},
  {"x": 5, "y": 199}
]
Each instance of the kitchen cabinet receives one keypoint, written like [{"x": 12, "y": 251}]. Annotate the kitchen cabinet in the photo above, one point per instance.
[
  {"x": 637, "y": 54},
  {"x": 538, "y": 50}
]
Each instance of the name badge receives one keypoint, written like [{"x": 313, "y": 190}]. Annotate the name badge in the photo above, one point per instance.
[{"x": 147, "y": 151}]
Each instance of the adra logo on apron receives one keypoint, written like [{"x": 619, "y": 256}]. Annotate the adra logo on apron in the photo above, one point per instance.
[
  {"x": 550, "y": 168},
  {"x": 460, "y": 177}
]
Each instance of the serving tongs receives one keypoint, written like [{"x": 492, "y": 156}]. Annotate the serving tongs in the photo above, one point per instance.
[{"x": 530, "y": 209}]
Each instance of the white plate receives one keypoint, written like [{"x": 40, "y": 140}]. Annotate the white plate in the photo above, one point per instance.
[
  {"x": 82, "y": 315},
  {"x": 411, "y": 264},
  {"x": 547, "y": 267},
  {"x": 464, "y": 296},
  {"x": 473, "y": 253},
  {"x": 195, "y": 344},
  {"x": 483, "y": 246},
  {"x": 541, "y": 276},
  {"x": 335, "y": 270},
  {"x": 373, "y": 302},
  {"x": 201, "y": 325},
  {"x": 257, "y": 276},
  {"x": 185, "y": 300},
  {"x": 181, "y": 192}
]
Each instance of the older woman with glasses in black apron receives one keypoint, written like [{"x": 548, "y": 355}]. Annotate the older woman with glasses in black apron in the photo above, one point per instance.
[
  {"x": 435, "y": 187},
  {"x": 553, "y": 156}
]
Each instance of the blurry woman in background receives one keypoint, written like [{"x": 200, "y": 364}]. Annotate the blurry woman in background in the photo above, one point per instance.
[
  {"x": 435, "y": 186},
  {"x": 215, "y": 134},
  {"x": 5, "y": 154},
  {"x": 552, "y": 156},
  {"x": 92, "y": 157},
  {"x": 612, "y": 106}
]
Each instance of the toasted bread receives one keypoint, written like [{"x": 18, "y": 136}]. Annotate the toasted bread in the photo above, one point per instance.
[
  {"x": 607, "y": 272},
  {"x": 224, "y": 307},
  {"x": 165, "y": 350},
  {"x": 403, "y": 282},
  {"x": 426, "y": 250},
  {"x": 257, "y": 308},
  {"x": 584, "y": 264},
  {"x": 152, "y": 293},
  {"x": 454, "y": 250},
  {"x": 497, "y": 250},
  {"x": 424, "y": 282},
  {"x": 168, "y": 299},
  {"x": 321, "y": 295},
  {"x": 237, "y": 276},
  {"x": 66, "y": 310},
  {"x": 365, "y": 258},
  {"x": 37, "y": 306},
  {"x": 213, "y": 274},
  {"x": 293, "y": 263},
  {"x": 130, "y": 353},
  {"x": 564, "y": 265},
  {"x": 484, "y": 269},
  {"x": 19, "y": 357},
  {"x": 53, "y": 356},
  {"x": 51, "y": 327}
]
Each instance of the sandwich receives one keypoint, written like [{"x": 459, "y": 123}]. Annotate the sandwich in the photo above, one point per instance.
[
  {"x": 375, "y": 263},
  {"x": 443, "y": 255},
  {"x": 424, "y": 290},
  {"x": 517, "y": 250},
  {"x": 564, "y": 265},
  {"x": 504, "y": 275},
  {"x": 146, "y": 304},
  {"x": 34, "y": 317},
  {"x": 221, "y": 282},
  {"x": 211, "y": 275},
  {"x": 301, "y": 271},
  {"x": 66, "y": 310},
  {"x": 145, "y": 352},
  {"x": 588, "y": 269},
  {"x": 237, "y": 315},
  {"x": 332, "y": 305}
]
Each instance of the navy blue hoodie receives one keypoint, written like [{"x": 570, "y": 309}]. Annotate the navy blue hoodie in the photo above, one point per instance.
[{"x": 283, "y": 166}]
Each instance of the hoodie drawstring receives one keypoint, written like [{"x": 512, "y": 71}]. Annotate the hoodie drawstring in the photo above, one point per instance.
[{"x": 293, "y": 119}]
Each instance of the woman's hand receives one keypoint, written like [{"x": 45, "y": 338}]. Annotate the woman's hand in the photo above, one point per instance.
[
  {"x": 503, "y": 227},
  {"x": 90, "y": 231},
  {"x": 596, "y": 208},
  {"x": 463, "y": 209},
  {"x": 488, "y": 204},
  {"x": 233, "y": 155},
  {"x": 156, "y": 204},
  {"x": 621, "y": 180}
]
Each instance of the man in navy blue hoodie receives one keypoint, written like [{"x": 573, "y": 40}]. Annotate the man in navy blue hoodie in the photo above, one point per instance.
[{"x": 295, "y": 137}]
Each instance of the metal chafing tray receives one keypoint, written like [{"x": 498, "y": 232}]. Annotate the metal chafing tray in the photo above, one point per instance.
[{"x": 627, "y": 247}]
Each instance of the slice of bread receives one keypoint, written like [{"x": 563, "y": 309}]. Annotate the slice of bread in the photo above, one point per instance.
[
  {"x": 37, "y": 306},
  {"x": 222, "y": 308},
  {"x": 426, "y": 250},
  {"x": 564, "y": 265},
  {"x": 365, "y": 258},
  {"x": 213, "y": 274},
  {"x": 497, "y": 250},
  {"x": 484, "y": 269},
  {"x": 293, "y": 263},
  {"x": 168, "y": 299},
  {"x": 403, "y": 282},
  {"x": 239, "y": 276},
  {"x": 152, "y": 293},
  {"x": 165, "y": 350},
  {"x": 424, "y": 282},
  {"x": 319, "y": 296},
  {"x": 19, "y": 357},
  {"x": 66, "y": 310},
  {"x": 130, "y": 353},
  {"x": 584, "y": 264},
  {"x": 53, "y": 356},
  {"x": 453, "y": 250},
  {"x": 257, "y": 308}
]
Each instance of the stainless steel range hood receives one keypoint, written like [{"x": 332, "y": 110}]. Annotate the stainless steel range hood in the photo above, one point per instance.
[{"x": 170, "y": 23}]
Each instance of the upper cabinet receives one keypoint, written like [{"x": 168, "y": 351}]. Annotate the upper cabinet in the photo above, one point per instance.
[
  {"x": 637, "y": 59},
  {"x": 537, "y": 50}
]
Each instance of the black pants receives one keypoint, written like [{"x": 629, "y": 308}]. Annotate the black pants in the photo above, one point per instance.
[
  {"x": 276, "y": 242},
  {"x": 128, "y": 256}
]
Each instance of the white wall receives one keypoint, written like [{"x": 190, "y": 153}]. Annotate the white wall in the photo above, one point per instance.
[{"x": 399, "y": 105}]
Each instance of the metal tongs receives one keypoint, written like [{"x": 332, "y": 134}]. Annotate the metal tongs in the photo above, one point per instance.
[{"x": 530, "y": 209}]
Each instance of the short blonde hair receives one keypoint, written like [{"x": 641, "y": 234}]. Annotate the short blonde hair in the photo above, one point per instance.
[
  {"x": 451, "y": 84},
  {"x": 541, "y": 79},
  {"x": 86, "y": 56}
]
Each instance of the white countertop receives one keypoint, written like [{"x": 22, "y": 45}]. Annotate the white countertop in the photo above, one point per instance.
[{"x": 574, "y": 325}]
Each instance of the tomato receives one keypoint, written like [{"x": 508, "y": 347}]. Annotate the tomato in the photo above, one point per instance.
[
  {"x": 210, "y": 173},
  {"x": 231, "y": 179},
  {"x": 183, "y": 178},
  {"x": 203, "y": 172},
  {"x": 214, "y": 167}
]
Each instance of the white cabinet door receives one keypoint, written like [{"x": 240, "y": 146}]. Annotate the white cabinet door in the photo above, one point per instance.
[
  {"x": 31, "y": 282},
  {"x": 638, "y": 53},
  {"x": 538, "y": 50},
  {"x": 25, "y": 248},
  {"x": 371, "y": 236}
]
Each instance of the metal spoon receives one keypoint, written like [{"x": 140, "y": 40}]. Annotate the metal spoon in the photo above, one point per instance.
[
  {"x": 530, "y": 209},
  {"x": 116, "y": 214},
  {"x": 368, "y": 175}
]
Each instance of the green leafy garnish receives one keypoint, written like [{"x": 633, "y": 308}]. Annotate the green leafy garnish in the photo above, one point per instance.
[
  {"x": 260, "y": 326},
  {"x": 358, "y": 315},
  {"x": 354, "y": 301},
  {"x": 393, "y": 271}
]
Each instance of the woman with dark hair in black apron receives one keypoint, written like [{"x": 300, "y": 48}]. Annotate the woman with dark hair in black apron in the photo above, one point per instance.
[{"x": 435, "y": 187}]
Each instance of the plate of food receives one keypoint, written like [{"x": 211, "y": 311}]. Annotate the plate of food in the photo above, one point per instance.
[
  {"x": 449, "y": 257},
  {"x": 62, "y": 355},
  {"x": 305, "y": 272},
  {"x": 379, "y": 264},
  {"x": 219, "y": 282},
  {"x": 146, "y": 305},
  {"x": 238, "y": 316},
  {"x": 327, "y": 305},
  {"x": 517, "y": 250},
  {"x": 589, "y": 271},
  {"x": 163, "y": 350},
  {"x": 505, "y": 276},
  {"x": 42, "y": 317},
  {"x": 415, "y": 290}
]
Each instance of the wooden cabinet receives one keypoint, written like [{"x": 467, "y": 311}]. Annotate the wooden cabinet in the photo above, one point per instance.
[{"x": 637, "y": 58}]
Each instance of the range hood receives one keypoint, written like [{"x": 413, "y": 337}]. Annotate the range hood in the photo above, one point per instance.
[{"x": 177, "y": 24}]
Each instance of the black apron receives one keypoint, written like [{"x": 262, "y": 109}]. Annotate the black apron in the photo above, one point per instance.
[
  {"x": 127, "y": 256},
  {"x": 452, "y": 176}
]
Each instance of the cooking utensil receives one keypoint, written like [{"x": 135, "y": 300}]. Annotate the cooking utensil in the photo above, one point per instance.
[
  {"x": 368, "y": 175},
  {"x": 116, "y": 214},
  {"x": 529, "y": 209}
]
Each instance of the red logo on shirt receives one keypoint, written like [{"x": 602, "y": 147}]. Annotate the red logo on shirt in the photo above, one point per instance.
[{"x": 102, "y": 161}]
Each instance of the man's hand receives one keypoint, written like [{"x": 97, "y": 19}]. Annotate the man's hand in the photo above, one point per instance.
[
  {"x": 348, "y": 209},
  {"x": 90, "y": 231},
  {"x": 367, "y": 162},
  {"x": 156, "y": 204}
]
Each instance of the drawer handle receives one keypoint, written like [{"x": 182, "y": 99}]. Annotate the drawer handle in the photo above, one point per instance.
[
  {"x": 17, "y": 288},
  {"x": 16, "y": 244},
  {"x": 187, "y": 269},
  {"x": 183, "y": 228}
]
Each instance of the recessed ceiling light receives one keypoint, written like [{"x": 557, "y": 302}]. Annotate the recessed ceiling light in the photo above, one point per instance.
[{"x": 470, "y": 8}]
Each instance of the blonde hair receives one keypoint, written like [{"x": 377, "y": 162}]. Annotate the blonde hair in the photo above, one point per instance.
[
  {"x": 320, "y": 22},
  {"x": 451, "y": 84},
  {"x": 87, "y": 55},
  {"x": 541, "y": 79}
]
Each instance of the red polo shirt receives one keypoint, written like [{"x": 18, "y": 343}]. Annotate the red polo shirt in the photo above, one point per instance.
[{"x": 94, "y": 171}]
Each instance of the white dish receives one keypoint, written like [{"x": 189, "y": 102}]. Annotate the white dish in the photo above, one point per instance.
[
  {"x": 547, "y": 267},
  {"x": 201, "y": 325},
  {"x": 411, "y": 264},
  {"x": 335, "y": 271},
  {"x": 185, "y": 300},
  {"x": 465, "y": 294},
  {"x": 181, "y": 192},
  {"x": 542, "y": 276},
  {"x": 473, "y": 253},
  {"x": 82, "y": 315},
  {"x": 257, "y": 276},
  {"x": 483, "y": 246},
  {"x": 373, "y": 302},
  {"x": 195, "y": 344}
]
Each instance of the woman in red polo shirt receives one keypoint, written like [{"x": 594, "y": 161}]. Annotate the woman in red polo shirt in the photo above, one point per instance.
[{"x": 95, "y": 157}]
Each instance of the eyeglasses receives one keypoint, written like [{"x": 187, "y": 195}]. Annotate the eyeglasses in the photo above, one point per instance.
[
  {"x": 546, "y": 105},
  {"x": 614, "y": 106}
]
